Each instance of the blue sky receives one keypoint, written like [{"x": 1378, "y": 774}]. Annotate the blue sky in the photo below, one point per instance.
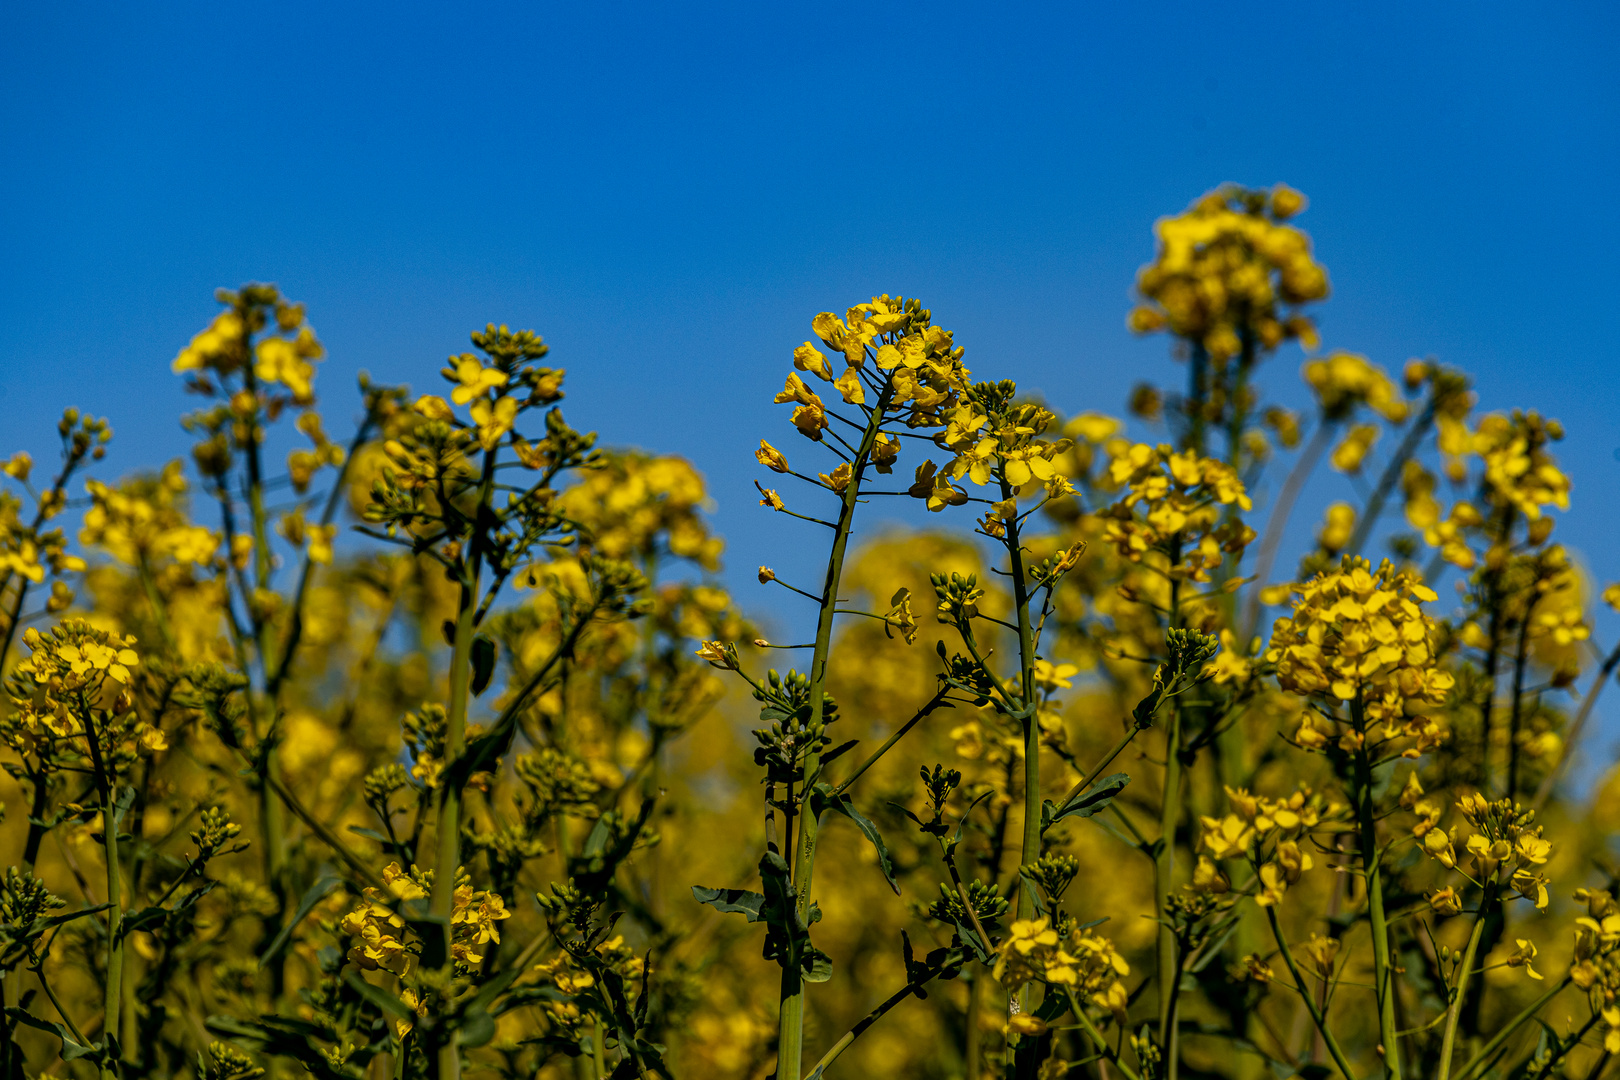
[{"x": 669, "y": 192}]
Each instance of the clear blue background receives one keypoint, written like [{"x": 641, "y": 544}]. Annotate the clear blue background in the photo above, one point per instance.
[{"x": 668, "y": 192}]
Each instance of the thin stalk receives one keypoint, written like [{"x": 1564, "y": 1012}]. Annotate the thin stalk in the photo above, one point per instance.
[
  {"x": 75, "y": 457},
  {"x": 1097, "y": 1039},
  {"x": 1383, "y": 968},
  {"x": 113, "y": 988},
  {"x": 113, "y": 992},
  {"x": 1520, "y": 657},
  {"x": 1544, "y": 792},
  {"x": 933, "y": 703},
  {"x": 1030, "y": 849},
  {"x": 1164, "y": 857},
  {"x": 1197, "y": 396},
  {"x": 1386, "y": 482},
  {"x": 868, "y": 1020},
  {"x": 1569, "y": 1044},
  {"x": 1317, "y": 1016},
  {"x": 1277, "y": 524},
  {"x": 973, "y": 1048},
  {"x": 1488, "y": 1051},
  {"x": 447, "y": 832},
  {"x": 790, "y": 1040},
  {"x": 1465, "y": 973}
]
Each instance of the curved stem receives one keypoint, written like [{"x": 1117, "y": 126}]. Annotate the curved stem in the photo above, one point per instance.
[
  {"x": 1374, "y": 509},
  {"x": 1488, "y": 1051},
  {"x": 1465, "y": 973},
  {"x": 1317, "y": 1016},
  {"x": 1277, "y": 524},
  {"x": 790, "y": 1014},
  {"x": 1578, "y": 725},
  {"x": 1371, "y": 859}
]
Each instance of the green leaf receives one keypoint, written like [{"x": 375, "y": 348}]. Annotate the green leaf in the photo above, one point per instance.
[
  {"x": 379, "y": 997},
  {"x": 483, "y": 663},
  {"x": 730, "y": 901},
  {"x": 71, "y": 1047},
  {"x": 827, "y": 799},
  {"x": 477, "y": 1027},
  {"x": 312, "y": 896},
  {"x": 58, "y": 920},
  {"x": 788, "y": 939},
  {"x": 1093, "y": 800}
]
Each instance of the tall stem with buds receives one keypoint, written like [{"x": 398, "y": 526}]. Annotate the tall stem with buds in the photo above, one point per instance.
[{"x": 790, "y": 1047}]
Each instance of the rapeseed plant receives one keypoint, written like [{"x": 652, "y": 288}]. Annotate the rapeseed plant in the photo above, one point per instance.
[{"x": 426, "y": 752}]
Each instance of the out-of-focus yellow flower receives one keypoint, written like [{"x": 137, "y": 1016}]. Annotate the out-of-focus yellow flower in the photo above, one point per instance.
[
  {"x": 1342, "y": 381},
  {"x": 1352, "y": 450},
  {"x": 473, "y": 379},
  {"x": 1224, "y": 269},
  {"x": 494, "y": 419}
]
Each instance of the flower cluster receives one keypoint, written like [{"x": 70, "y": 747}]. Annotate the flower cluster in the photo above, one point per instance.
[
  {"x": 382, "y": 939},
  {"x": 922, "y": 368},
  {"x": 1085, "y": 962},
  {"x": 1519, "y": 472},
  {"x": 1595, "y": 967},
  {"x": 284, "y": 358},
  {"x": 1173, "y": 505},
  {"x": 1504, "y": 849},
  {"x": 1266, "y": 831},
  {"x": 1224, "y": 269},
  {"x": 76, "y": 684},
  {"x": 1344, "y": 381},
  {"x": 1359, "y": 636}
]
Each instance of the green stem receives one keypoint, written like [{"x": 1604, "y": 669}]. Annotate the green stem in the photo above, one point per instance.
[
  {"x": 1383, "y": 968},
  {"x": 1317, "y": 1016},
  {"x": 1519, "y": 660},
  {"x": 1164, "y": 857},
  {"x": 933, "y": 703},
  {"x": 1488, "y": 1051},
  {"x": 1465, "y": 973},
  {"x": 1027, "y": 1058},
  {"x": 1096, "y": 1037},
  {"x": 1386, "y": 482},
  {"x": 790, "y": 1040},
  {"x": 159, "y": 613},
  {"x": 869, "y": 1019},
  {"x": 1277, "y": 525},
  {"x": 1544, "y": 792}
]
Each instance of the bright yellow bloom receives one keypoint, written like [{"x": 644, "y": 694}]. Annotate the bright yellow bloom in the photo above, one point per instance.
[
  {"x": 475, "y": 379},
  {"x": 494, "y": 419},
  {"x": 1357, "y": 635}
]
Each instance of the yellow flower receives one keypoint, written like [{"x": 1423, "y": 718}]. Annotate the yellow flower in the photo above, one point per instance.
[
  {"x": 839, "y": 478},
  {"x": 279, "y": 360},
  {"x": 475, "y": 380},
  {"x": 849, "y": 386},
  {"x": 1445, "y": 902},
  {"x": 1353, "y": 449},
  {"x": 770, "y": 457},
  {"x": 1356, "y": 635},
  {"x": 1344, "y": 380},
  {"x": 809, "y": 358},
  {"x": 1050, "y": 676},
  {"x": 433, "y": 407},
  {"x": 494, "y": 419},
  {"x": 1522, "y": 956},
  {"x": 1322, "y": 952}
]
